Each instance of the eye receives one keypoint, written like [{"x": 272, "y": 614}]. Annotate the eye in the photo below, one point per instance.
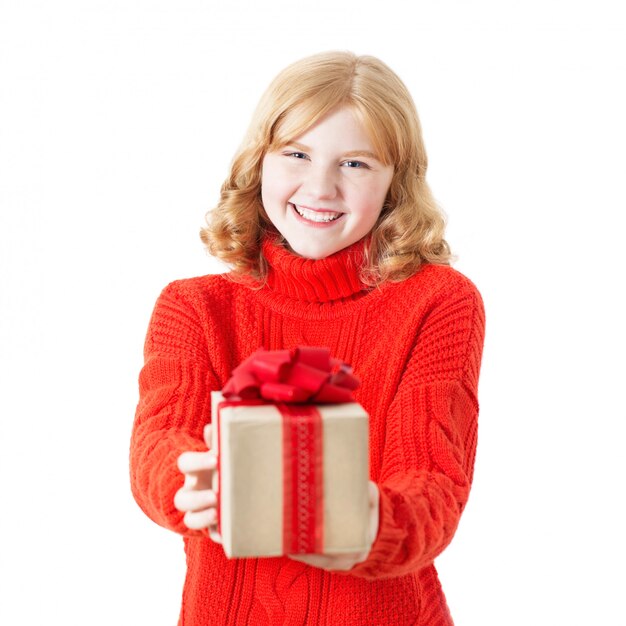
[
  {"x": 296, "y": 155},
  {"x": 356, "y": 164}
]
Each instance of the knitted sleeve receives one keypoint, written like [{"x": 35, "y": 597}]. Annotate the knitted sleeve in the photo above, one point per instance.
[
  {"x": 430, "y": 439},
  {"x": 174, "y": 391}
]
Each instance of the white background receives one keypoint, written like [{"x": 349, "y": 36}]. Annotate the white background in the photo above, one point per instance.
[{"x": 118, "y": 121}]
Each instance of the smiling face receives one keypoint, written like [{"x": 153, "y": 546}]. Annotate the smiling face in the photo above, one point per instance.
[{"x": 325, "y": 189}]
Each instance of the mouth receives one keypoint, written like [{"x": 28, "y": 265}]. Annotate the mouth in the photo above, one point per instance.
[{"x": 316, "y": 216}]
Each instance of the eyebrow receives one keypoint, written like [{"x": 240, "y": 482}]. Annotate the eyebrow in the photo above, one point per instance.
[{"x": 351, "y": 153}]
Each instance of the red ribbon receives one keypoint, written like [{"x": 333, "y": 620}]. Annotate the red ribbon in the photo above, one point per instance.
[
  {"x": 303, "y": 480},
  {"x": 303, "y": 374},
  {"x": 296, "y": 376}
]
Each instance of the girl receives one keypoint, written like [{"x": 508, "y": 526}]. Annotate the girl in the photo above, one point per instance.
[{"x": 334, "y": 240}]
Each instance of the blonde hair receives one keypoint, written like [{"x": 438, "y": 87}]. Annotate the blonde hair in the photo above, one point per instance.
[{"x": 410, "y": 228}]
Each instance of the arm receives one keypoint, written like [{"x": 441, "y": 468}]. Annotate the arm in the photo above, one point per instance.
[
  {"x": 430, "y": 440},
  {"x": 174, "y": 406}
]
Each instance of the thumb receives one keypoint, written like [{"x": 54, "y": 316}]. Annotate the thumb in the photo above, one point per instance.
[
  {"x": 208, "y": 434},
  {"x": 373, "y": 493},
  {"x": 374, "y": 497}
]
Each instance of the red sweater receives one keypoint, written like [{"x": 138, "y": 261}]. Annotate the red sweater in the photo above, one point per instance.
[{"x": 416, "y": 347}]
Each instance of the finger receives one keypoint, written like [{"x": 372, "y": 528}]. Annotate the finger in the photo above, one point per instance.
[
  {"x": 208, "y": 436},
  {"x": 189, "y": 462},
  {"x": 191, "y": 482},
  {"x": 374, "y": 497},
  {"x": 197, "y": 520},
  {"x": 214, "y": 534},
  {"x": 339, "y": 562},
  {"x": 186, "y": 500},
  {"x": 200, "y": 481},
  {"x": 314, "y": 560}
]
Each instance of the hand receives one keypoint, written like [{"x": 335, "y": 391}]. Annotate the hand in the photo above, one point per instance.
[
  {"x": 197, "y": 497},
  {"x": 343, "y": 562}
]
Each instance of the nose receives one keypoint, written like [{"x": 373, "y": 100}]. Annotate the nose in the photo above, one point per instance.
[{"x": 321, "y": 183}]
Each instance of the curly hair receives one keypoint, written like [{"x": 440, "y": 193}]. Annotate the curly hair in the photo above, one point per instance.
[{"x": 410, "y": 228}]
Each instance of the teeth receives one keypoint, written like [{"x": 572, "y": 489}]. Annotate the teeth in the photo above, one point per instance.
[{"x": 317, "y": 216}]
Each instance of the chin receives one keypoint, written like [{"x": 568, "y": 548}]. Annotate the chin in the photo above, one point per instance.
[
  {"x": 315, "y": 256},
  {"x": 312, "y": 252}
]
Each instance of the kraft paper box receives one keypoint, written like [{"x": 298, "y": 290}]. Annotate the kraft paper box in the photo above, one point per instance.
[{"x": 255, "y": 503}]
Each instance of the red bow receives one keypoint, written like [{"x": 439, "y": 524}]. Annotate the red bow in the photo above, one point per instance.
[{"x": 300, "y": 375}]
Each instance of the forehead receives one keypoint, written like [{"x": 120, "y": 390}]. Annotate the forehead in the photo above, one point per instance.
[
  {"x": 338, "y": 126},
  {"x": 343, "y": 128}
]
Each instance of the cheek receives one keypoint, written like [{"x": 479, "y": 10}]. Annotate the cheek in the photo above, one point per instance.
[
  {"x": 370, "y": 198},
  {"x": 268, "y": 189},
  {"x": 273, "y": 194},
  {"x": 276, "y": 185}
]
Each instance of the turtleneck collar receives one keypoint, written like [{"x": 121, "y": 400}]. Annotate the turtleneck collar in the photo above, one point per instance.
[{"x": 335, "y": 277}]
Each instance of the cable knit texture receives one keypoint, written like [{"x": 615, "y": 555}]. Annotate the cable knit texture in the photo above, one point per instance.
[{"x": 416, "y": 346}]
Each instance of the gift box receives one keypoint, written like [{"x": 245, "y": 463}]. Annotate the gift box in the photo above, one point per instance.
[{"x": 292, "y": 450}]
